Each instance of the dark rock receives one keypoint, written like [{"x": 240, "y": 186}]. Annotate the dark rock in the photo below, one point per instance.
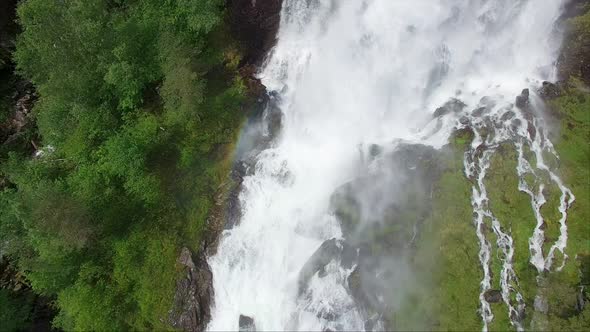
[
  {"x": 253, "y": 84},
  {"x": 417, "y": 158},
  {"x": 522, "y": 101},
  {"x": 254, "y": 23},
  {"x": 246, "y": 324},
  {"x": 375, "y": 150},
  {"x": 233, "y": 208},
  {"x": 507, "y": 116},
  {"x": 452, "y": 106},
  {"x": 347, "y": 208},
  {"x": 493, "y": 296},
  {"x": 573, "y": 8},
  {"x": 549, "y": 91},
  {"x": 531, "y": 130},
  {"x": 485, "y": 105},
  {"x": 191, "y": 309},
  {"x": 464, "y": 120},
  {"x": 332, "y": 249},
  {"x": 364, "y": 288}
]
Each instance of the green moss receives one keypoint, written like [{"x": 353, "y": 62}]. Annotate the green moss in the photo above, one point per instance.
[
  {"x": 501, "y": 321},
  {"x": 513, "y": 208},
  {"x": 574, "y": 151},
  {"x": 448, "y": 295},
  {"x": 551, "y": 215}
]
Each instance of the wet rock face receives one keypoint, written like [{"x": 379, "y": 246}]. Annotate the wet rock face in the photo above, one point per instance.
[
  {"x": 191, "y": 309},
  {"x": 255, "y": 23},
  {"x": 259, "y": 133},
  {"x": 330, "y": 250},
  {"x": 549, "y": 91},
  {"x": 522, "y": 101},
  {"x": 452, "y": 106},
  {"x": 573, "y": 8},
  {"x": 381, "y": 214},
  {"x": 246, "y": 324},
  {"x": 371, "y": 204}
]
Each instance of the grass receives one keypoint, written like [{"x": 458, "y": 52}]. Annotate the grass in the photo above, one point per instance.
[
  {"x": 449, "y": 279},
  {"x": 446, "y": 261}
]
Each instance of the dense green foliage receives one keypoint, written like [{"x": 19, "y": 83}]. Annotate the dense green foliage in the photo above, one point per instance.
[
  {"x": 139, "y": 104},
  {"x": 14, "y": 311}
]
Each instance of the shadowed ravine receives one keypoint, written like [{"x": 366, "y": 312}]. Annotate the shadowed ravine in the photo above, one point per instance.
[{"x": 370, "y": 94}]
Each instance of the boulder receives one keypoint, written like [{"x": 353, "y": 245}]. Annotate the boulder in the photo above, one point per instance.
[
  {"x": 246, "y": 324},
  {"x": 549, "y": 91},
  {"x": 452, "y": 106},
  {"x": 522, "y": 100},
  {"x": 493, "y": 296},
  {"x": 191, "y": 309},
  {"x": 333, "y": 249},
  {"x": 365, "y": 288},
  {"x": 507, "y": 116}
]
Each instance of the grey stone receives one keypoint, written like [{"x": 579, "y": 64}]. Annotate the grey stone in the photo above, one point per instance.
[
  {"x": 191, "y": 309},
  {"x": 246, "y": 324}
]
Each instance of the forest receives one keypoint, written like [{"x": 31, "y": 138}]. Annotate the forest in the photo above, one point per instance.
[{"x": 136, "y": 107}]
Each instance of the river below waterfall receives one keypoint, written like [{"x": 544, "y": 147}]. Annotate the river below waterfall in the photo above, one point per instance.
[{"x": 358, "y": 79}]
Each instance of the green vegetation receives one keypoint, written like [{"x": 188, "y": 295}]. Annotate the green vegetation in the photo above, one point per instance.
[
  {"x": 456, "y": 272},
  {"x": 451, "y": 299},
  {"x": 515, "y": 213},
  {"x": 446, "y": 296},
  {"x": 573, "y": 110},
  {"x": 139, "y": 107},
  {"x": 14, "y": 311}
]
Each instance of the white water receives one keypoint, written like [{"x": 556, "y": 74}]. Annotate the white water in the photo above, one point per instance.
[{"x": 355, "y": 72}]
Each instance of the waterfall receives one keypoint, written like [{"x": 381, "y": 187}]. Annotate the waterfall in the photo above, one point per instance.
[{"x": 351, "y": 73}]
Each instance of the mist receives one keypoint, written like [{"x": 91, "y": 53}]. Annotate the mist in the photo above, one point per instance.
[{"x": 369, "y": 94}]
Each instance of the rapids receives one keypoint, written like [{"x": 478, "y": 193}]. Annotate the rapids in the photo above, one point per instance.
[{"x": 350, "y": 73}]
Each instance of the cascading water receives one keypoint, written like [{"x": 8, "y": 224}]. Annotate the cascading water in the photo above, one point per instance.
[{"x": 350, "y": 73}]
